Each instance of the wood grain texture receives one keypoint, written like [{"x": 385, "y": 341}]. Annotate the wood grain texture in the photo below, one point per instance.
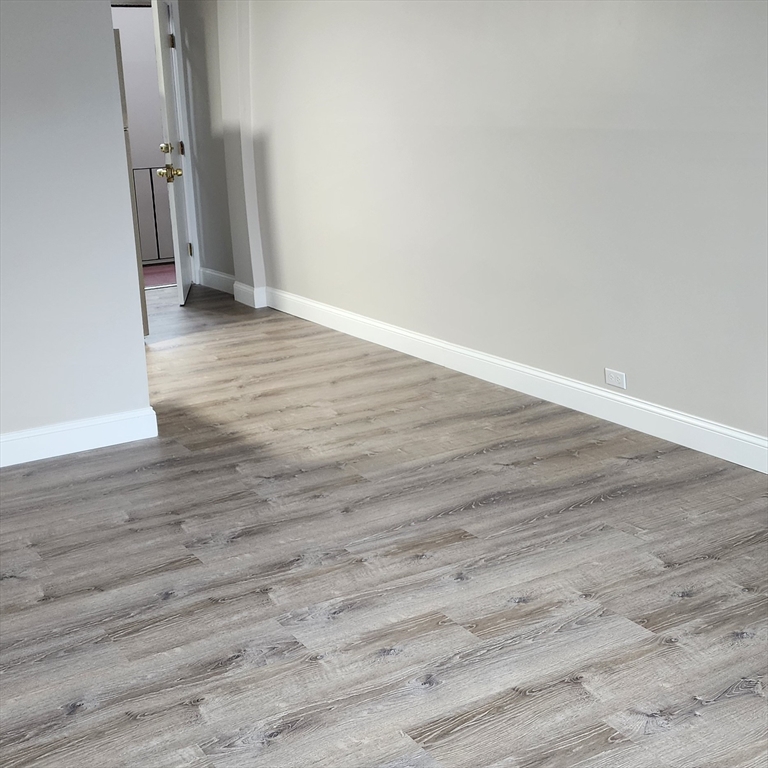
[{"x": 339, "y": 556}]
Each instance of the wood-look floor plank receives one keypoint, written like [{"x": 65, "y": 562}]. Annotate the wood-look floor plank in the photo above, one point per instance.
[{"x": 339, "y": 556}]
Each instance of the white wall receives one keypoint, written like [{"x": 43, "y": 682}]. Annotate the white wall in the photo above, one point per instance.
[
  {"x": 71, "y": 332},
  {"x": 567, "y": 185},
  {"x": 200, "y": 42},
  {"x": 234, "y": 20}
]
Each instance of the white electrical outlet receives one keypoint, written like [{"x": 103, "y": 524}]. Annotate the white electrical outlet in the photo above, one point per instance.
[{"x": 616, "y": 378}]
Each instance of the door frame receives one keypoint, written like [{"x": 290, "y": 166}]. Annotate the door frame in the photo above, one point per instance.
[{"x": 131, "y": 183}]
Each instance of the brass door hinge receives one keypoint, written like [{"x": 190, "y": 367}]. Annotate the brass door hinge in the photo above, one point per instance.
[
  {"x": 189, "y": 248},
  {"x": 181, "y": 148},
  {"x": 171, "y": 41}
]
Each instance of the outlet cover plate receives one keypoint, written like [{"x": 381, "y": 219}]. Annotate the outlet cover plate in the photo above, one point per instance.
[{"x": 615, "y": 378}]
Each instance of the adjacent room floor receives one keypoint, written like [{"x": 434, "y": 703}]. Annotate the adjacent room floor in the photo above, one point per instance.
[
  {"x": 337, "y": 555},
  {"x": 159, "y": 275}
]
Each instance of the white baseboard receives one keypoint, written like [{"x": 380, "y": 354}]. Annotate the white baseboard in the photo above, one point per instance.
[
  {"x": 735, "y": 445},
  {"x": 252, "y": 297},
  {"x": 245, "y": 294},
  {"x": 218, "y": 280},
  {"x": 73, "y": 436}
]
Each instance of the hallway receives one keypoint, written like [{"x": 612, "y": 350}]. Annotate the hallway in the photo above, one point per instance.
[{"x": 339, "y": 556}]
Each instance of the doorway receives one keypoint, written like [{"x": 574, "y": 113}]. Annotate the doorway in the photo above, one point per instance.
[{"x": 144, "y": 112}]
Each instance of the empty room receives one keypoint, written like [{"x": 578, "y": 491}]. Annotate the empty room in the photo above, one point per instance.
[{"x": 384, "y": 384}]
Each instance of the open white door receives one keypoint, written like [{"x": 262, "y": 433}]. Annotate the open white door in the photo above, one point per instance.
[{"x": 170, "y": 73}]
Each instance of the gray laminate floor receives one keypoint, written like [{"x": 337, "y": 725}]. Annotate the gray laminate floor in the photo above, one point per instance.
[{"x": 340, "y": 556}]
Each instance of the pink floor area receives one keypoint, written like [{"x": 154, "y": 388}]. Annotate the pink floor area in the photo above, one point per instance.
[{"x": 158, "y": 275}]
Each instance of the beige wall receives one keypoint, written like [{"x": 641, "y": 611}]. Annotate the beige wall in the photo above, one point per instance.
[
  {"x": 569, "y": 185},
  {"x": 216, "y": 39},
  {"x": 71, "y": 333},
  {"x": 200, "y": 40},
  {"x": 235, "y": 44}
]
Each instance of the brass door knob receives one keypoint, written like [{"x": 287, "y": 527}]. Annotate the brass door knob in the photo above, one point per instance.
[
  {"x": 166, "y": 148},
  {"x": 169, "y": 172}
]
